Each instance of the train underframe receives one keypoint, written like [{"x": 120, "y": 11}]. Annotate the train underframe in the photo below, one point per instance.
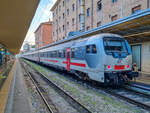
[{"x": 119, "y": 78}]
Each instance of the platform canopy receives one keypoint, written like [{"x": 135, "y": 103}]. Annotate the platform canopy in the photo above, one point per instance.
[
  {"x": 135, "y": 28},
  {"x": 15, "y": 19}
]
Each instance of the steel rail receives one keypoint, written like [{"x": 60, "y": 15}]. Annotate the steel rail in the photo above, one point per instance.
[
  {"x": 140, "y": 85},
  {"x": 38, "y": 90},
  {"x": 81, "y": 106},
  {"x": 113, "y": 93},
  {"x": 145, "y": 106}
]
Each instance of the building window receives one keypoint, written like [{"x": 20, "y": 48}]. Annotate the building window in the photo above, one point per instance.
[
  {"x": 136, "y": 9},
  {"x": 98, "y": 23},
  {"x": 67, "y": 25},
  {"x": 63, "y": 3},
  {"x": 113, "y": 1},
  {"x": 57, "y": 31},
  {"x": 99, "y": 5},
  {"x": 53, "y": 14},
  {"x": 88, "y": 28},
  {"x": 67, "y": 11},
  {"x": 80, "y": 2},
  {"x": 115, "y": 17},
  {"x": 79, "y": 17},
  {"x": 60, "y": 30},
  {"x": 59, "y": 18},
  {"x": 88, "y": 12},
  {"x": 56, "y": 11},
  {"x": 73, "y": 21},
  {"x": 63, "y": 27},
  {"x": 63, "y": 15},
  {"x": 60, "y": 8},
  {"x": 73, "y": 7},
  {"x": 53, "y": 34}
]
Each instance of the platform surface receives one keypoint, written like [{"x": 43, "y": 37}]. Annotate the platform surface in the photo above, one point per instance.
[
  {"x": 144, "y": 78},
  {"x": 18, "y": 100}
]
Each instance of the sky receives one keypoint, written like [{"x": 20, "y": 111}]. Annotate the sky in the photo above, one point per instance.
[{"x": 42, "y": 14}]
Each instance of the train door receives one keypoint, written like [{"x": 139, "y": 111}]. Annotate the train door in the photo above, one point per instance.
[
  {"x": 68, "y": 59},
  {"x": 136, "y": 55}
]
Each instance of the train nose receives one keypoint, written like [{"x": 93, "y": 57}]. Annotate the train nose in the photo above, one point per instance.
[{"x": 117, "y": 67}]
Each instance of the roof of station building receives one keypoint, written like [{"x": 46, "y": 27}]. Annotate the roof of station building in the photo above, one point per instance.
[{"x": 15, "y": 20}]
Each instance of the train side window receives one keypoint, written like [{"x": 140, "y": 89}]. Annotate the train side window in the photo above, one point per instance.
[
  {"x": 72, "y": 53},
  {"x": 64, "y": 53},
  {"x": 47, "y": 54},
  {"x": 59, "y": 54},
  {"x": 88, "y": 49},
  {"x": 94, "y": 49}
]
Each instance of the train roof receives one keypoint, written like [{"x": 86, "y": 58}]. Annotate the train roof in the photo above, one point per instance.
[{"x": 78, "y": 37}]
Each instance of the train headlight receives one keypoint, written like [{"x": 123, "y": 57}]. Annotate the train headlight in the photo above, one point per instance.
[
  {"x": 108, "y": 67},
  {"x": 128, "y": 66}
]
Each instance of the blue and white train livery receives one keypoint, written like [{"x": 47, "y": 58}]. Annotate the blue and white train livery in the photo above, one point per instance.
[{"x": 104, "y": 57}]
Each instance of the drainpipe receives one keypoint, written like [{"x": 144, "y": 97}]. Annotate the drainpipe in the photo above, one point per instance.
[
  {"x": 92, "y": 15},
  {"x": 65, "y": 20},
  {"x": 77, "y": 22},
  {"x": 148, "y": 4},
  {"x": 121, "y": 7},
  {"x": 82, "y": 12}
]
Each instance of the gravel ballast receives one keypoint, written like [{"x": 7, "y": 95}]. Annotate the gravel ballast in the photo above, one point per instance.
[{"x": 96, "y": 100}]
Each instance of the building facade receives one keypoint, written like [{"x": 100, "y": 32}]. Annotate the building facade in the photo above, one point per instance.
[
  {"x": 43, "y": 35},
  {"x": 83, "y": 15}
]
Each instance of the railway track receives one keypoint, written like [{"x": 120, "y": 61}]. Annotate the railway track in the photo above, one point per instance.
[
  {"x": 141, "y": 86},
  {"x": 73, "y": 102},
  {"x": 39, "y": 90},
  {"x": 132, "y": 96}
]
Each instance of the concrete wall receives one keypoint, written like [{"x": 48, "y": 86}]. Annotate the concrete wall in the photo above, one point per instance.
[{"x": 145, "y": 58}]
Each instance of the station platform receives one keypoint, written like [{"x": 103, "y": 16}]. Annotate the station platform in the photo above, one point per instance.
[
  {"x": 144, "y": 78},
  {"x": 13, "y": 94}
]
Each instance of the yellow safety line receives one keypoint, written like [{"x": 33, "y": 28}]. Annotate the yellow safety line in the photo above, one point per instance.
[{"x": 4, "y": 92}]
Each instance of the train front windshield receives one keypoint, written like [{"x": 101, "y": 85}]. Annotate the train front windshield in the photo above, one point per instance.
[{"x": 115, "y": 45}]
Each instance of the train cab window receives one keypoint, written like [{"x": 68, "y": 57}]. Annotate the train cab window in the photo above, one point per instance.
[
  {"x": 94, "y": 49},
  {"x": 88, "y": 49}
]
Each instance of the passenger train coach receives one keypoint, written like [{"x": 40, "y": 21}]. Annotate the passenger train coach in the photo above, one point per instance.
[{"x": 104, "y": 57}]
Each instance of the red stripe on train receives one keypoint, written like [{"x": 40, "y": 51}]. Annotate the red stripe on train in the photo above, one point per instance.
[
  {"x": 78, "y": 64},
  {"x": 55, "y": 61},
  {"x": 75, "y": 64}
]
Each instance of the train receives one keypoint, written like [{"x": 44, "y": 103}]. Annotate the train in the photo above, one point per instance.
[{"x": 105, "y": 58}]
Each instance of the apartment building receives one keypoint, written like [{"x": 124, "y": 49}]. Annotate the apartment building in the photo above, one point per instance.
[
  {"x": 83, "y": 15},
  {"x": 43, "y": 34}
]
